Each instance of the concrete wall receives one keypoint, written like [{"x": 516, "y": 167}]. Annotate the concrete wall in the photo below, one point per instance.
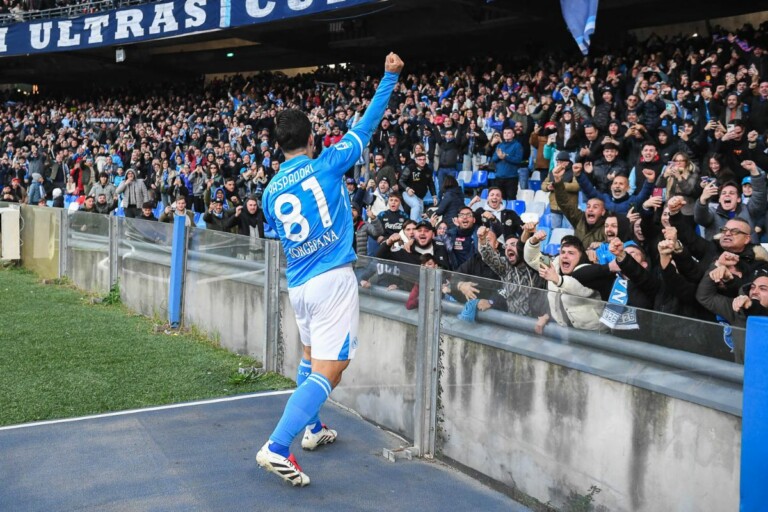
[
  {"x": 230, "y": 310},
  {"x": 89, "y": 269},
  {"x": 40, "y": 240},
  {"x": 144, "y": 286},
  {"x": 547, "y": 430}
]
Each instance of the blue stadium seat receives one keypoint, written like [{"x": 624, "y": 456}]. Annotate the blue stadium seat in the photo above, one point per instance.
[
  {"x": 479, "y": 179},
  {"x": 545, "y": 221},
  {"x": 518, "y": 206},
  {"x": 159, "y": 209},
  {"x": 484, "y": 194},
  {"x": 566, "y": 223},
  {"x": 534, "y": 185},
  {"x": 198, "y": 218},
  {"x": 552, "y": 249}
]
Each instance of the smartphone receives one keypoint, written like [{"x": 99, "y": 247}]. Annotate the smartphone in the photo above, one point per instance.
[
  {"x": 660, "y": 192},
  {"x": 545, "y": 260}
]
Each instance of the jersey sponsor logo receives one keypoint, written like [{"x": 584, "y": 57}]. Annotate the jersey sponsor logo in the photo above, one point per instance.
[
  {"x": 311, "y": 246},
  {"x": 342, "y": 145},
  {"x": 393, "y": 226}
]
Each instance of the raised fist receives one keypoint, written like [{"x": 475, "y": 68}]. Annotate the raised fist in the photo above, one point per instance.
[{"x": 393, "y": 63}]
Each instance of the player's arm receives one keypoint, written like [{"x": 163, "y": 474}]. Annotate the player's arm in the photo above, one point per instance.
[{"x": 343, "y": 155}]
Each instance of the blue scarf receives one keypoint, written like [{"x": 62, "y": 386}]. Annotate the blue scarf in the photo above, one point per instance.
[{"x": 616, "y": 314}]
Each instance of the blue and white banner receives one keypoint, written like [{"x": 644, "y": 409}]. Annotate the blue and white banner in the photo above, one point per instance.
[
  {"x": 580, "y": 17},
  {"x": 153, "y": 21}
]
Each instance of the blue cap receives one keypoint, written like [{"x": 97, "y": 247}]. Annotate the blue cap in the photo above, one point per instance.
[
  {"x": 746, "y": 180},
  {"x": 630, "y": 243}
]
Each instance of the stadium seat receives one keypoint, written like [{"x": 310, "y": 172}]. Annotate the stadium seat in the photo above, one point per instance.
[
  {"x": 464, "y": 178},
  {"x": 541, "y": 197},
  {"x": 467, "y": 200},
  {"x": 536, "y": 176},
  {"x": 558, "y": 234},
  {"x": 159, "y": 209},
  {"x": 545, "y": 221},
  {"x": 198, "y": 218},
  {"x": 525, "y": 195},
  {"x": 479, "y": 179},
  {"x": 552, "y": 249},
  {"x": 566, "y": 223},
  {"x": 539, "y": 208},
  {"x": 534, "y": 185},
  {"x": 484, "y": 194},
  {"x": 518, "y": 206}
]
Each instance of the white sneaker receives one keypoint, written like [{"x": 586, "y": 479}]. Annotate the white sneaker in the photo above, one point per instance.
[
  {"x": 286, "y": 468},
  {"x": 323, "y": 436}
]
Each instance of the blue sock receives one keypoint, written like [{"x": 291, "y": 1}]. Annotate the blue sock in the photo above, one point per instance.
[
  {"x": 305, "y": 369},
  {"x": 300, "y": 409}
]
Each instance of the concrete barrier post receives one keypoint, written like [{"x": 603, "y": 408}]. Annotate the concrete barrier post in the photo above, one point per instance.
[
  {"x": 427, "y": 359},
  {"x": 754, "y": 420},
  {"x": 272, "y": 304},
  {"x": 178, "y": 270}
]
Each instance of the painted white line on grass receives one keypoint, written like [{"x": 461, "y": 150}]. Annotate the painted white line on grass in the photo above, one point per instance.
[{"x": 148, "y": 409}]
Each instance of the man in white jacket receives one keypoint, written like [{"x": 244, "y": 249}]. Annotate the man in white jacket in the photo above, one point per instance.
[{"x": 571, "y": 303}]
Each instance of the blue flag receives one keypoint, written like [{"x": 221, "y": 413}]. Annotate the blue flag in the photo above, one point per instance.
[{"x": 580, "y": 16}]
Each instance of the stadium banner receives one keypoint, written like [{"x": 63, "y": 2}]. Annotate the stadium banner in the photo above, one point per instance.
[{"x": 153, "y": 21}]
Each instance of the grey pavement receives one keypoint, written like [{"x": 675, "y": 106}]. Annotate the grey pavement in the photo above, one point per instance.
[{"x": 200, "y": 457}]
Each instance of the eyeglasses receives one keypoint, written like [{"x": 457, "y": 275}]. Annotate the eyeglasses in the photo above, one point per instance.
[
  {"x": 465, "y": 215},
  {"x": 733, "y": 231},
  {"x": 680, "y": 160}
]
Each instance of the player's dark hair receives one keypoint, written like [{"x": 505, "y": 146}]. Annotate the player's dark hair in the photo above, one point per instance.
[{"x": 292, "y": 129}]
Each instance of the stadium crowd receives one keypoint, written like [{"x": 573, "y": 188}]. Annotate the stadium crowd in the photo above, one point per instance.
[{"x": 623, "y": 181}]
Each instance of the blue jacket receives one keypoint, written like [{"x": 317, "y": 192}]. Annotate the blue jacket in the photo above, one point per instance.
[
  {"x": 621, "y": 205},
  {"x": 507, "y": 167},
  {"x": 35, "y": 193}
]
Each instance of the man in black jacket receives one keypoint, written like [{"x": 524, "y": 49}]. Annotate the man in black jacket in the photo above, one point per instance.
[
  {"x": 450, "y": 152},
  {"x": 410, "y": 253},
  {"x": 216, "y": 219},
  {"x": 415, "y": 181},
  {"x": 249, "y": 221}
]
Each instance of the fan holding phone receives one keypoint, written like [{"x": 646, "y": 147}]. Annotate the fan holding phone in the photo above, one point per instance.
[{"x": 680, "y": 178}]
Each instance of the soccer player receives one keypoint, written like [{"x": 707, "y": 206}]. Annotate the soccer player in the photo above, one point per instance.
[{"x": 308, "y": 205}]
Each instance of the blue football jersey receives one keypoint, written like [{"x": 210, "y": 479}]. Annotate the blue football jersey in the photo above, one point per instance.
[{"x": 307, "y": 201}]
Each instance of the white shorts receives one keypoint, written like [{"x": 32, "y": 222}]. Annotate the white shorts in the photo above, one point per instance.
[{"x": 327, "y": 312}]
